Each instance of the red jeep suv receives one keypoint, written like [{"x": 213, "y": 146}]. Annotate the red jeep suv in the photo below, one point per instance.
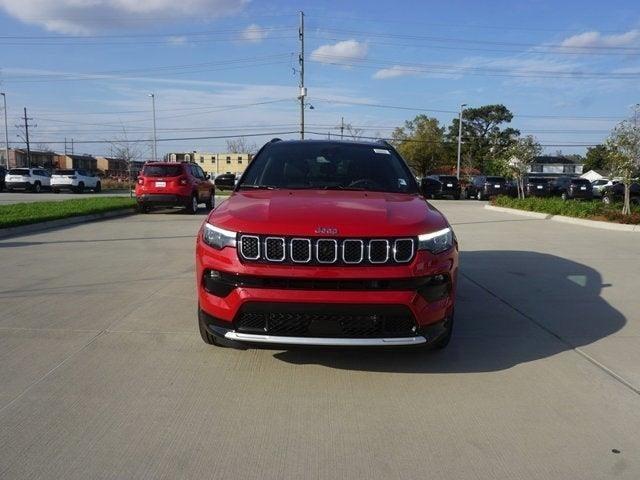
[
  {"x": 174, "y": 184},
  {"x": 326, "y": 243}
]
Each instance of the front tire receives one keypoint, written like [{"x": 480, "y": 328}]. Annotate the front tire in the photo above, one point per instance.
[
  {"x": 98, "y": 188},
  {"x": 37, "y": 188},
  {"x": 564, "y": 197},
  {"x": 80, "y": 188},
  {"x": 480, "y": 195},
  {"x": 606, "y": 199},
  {"x": 192, "y": 207},
  {"x": 211, "y": 202}
]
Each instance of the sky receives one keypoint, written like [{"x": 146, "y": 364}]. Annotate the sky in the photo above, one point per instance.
[{"x": 569, "y": 71}]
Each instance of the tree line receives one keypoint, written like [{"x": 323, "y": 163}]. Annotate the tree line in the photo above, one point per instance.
[{"x": 492, "y": 147}]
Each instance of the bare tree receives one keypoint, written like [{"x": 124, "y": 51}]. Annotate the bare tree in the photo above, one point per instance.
[
  {"x": 522, "y": 154},
  {"x": 241, "y": 145},
  {"x": 128, "y": 151},
  {"x": 624, "y": 156},
  {"x": 42, "y": 147},
  {"x": 353, "y": 132}
]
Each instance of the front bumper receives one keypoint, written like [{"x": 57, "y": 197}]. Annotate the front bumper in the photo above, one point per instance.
[
  {"x": 425, "y": 336},
  {"x": 340, "y": 300}
]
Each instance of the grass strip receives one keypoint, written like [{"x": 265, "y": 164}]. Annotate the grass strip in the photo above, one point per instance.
[{"x": 28, "y": 213}]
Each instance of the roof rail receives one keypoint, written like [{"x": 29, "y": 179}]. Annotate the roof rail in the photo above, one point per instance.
[{"x": 274, "y": 140}]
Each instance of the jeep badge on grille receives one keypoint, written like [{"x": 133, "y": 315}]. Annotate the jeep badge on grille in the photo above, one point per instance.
[{"x": 326, "y": 231}]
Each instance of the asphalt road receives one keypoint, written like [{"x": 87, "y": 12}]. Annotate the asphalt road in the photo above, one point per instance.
[{"x": 103, "y": 374}]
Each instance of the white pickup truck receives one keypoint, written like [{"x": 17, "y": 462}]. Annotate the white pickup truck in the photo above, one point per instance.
[{"x": 75, "y": 180}]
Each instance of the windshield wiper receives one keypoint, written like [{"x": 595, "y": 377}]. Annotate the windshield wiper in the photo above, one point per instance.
[{"x": 257, "y": 187}]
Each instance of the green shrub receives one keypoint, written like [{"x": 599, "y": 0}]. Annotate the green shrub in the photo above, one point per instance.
[{"x": 591, "y": 209}]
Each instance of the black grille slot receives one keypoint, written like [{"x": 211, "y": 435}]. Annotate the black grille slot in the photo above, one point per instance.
[
  {"x": 378, "y": 251},
  {"x": 250, "y": 247},
  {"x": 326, "y": 321},
  {"x": 252, "y": 322},
  {"x": 300, "y": 249},
  {"x": 352, "y": 251},
  {"x": 327, "y": 250},
  {"x": 274, "y": 249},
  {"x": 403, "y": 250},
  {"x": 288, "y": 324}
]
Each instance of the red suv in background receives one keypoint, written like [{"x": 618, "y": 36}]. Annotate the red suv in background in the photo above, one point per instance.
[
  {"x": 174, "y": 184},
  {"x": 326, "y": 243}
]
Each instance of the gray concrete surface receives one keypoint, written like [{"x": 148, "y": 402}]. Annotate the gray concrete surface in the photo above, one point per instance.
[{"x": 103, "y": 374}]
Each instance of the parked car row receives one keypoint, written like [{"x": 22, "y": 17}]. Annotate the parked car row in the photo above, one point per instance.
[
  {"x": 39, "y": 179},
  {"x": 483, "y": 187}
]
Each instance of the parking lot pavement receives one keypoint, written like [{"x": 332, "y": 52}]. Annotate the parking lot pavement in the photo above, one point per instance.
[
  {"x": 7, "y": 198},
  {"x": 103, "y": 373}
]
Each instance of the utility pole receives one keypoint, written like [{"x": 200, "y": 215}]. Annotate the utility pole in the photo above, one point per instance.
[
  {"x": 303, "y": 90},
  {"x": 155, "y": 139},
  {"x": 65, "y": 145},
  {"x": 72, "y": 146},
  {"x": 342, "y": 128},
  {"x": 459, "y": 138},
  {"x": 6, "y": 131},
  {"x": 26, "y": 136}
]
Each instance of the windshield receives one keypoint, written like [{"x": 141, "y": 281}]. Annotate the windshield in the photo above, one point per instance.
[
  {"x": 64, "y": 172},
  {"x": 445, "y": 178},
  {"x": 580, "y": 181},
  {"x": 19, "y": 171},
  {"x": 162, "y": 170},
  {"x": 496, "y": 179},
  {"x": 329, "y": 165}
]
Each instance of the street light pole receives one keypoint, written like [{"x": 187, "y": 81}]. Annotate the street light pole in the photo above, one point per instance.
[
  {"x": 459, "y": 138},
  {"x": 155, "y": 138},
  {"x": 6, "y": 131}
]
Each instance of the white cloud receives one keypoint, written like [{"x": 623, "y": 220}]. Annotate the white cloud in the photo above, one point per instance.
[
  {"x": 86, "y": 16},
  {"x": 596, "y": 39},
  {"x": 341, "y": 52},
  {"x": 254, "y": 33},
  {"x": 393, "y": 72},
  {"x": 177, "y": 40}
]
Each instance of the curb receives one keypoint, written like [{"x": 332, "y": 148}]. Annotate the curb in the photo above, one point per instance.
[
  {"x": 63, "y": 222},
  {"x": 619, "y": 227}
]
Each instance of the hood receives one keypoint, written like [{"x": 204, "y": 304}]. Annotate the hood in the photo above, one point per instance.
[{"x": 306, "y": 212}]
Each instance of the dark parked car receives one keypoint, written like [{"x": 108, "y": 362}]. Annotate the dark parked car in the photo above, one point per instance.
[
  {"x": 615, "y": 193},
  {"x": 538, "y": 187},
  {"x": 430, "y": 187},
  {"x": 573, "y": 188},
  {"x": 225, "y": 181},
  {"x": 483, "y": 187},
  {"x": 450, "y": 186}
]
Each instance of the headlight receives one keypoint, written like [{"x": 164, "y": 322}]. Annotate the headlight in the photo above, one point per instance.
[
  {"x": 218, "y": 237},
  {"x": 436, "y": 242}
]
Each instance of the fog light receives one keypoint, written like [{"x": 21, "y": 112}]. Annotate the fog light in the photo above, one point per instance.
[
  {"x": 216, "y": 285},
  {"x": 435, "y": 288}
]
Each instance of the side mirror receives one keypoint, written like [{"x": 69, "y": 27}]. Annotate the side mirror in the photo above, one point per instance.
[{"x": 207, "y": 176}]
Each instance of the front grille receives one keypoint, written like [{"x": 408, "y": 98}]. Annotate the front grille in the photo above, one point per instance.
[
  {"x": 326, "y": 321},
  {"x": 314, "y": 251}
]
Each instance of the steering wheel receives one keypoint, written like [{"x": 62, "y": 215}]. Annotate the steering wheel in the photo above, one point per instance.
[{"x": 364, "y": 183}]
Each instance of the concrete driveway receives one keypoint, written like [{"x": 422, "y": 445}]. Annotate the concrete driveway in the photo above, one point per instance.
[{"x": 103, "y": 373}]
